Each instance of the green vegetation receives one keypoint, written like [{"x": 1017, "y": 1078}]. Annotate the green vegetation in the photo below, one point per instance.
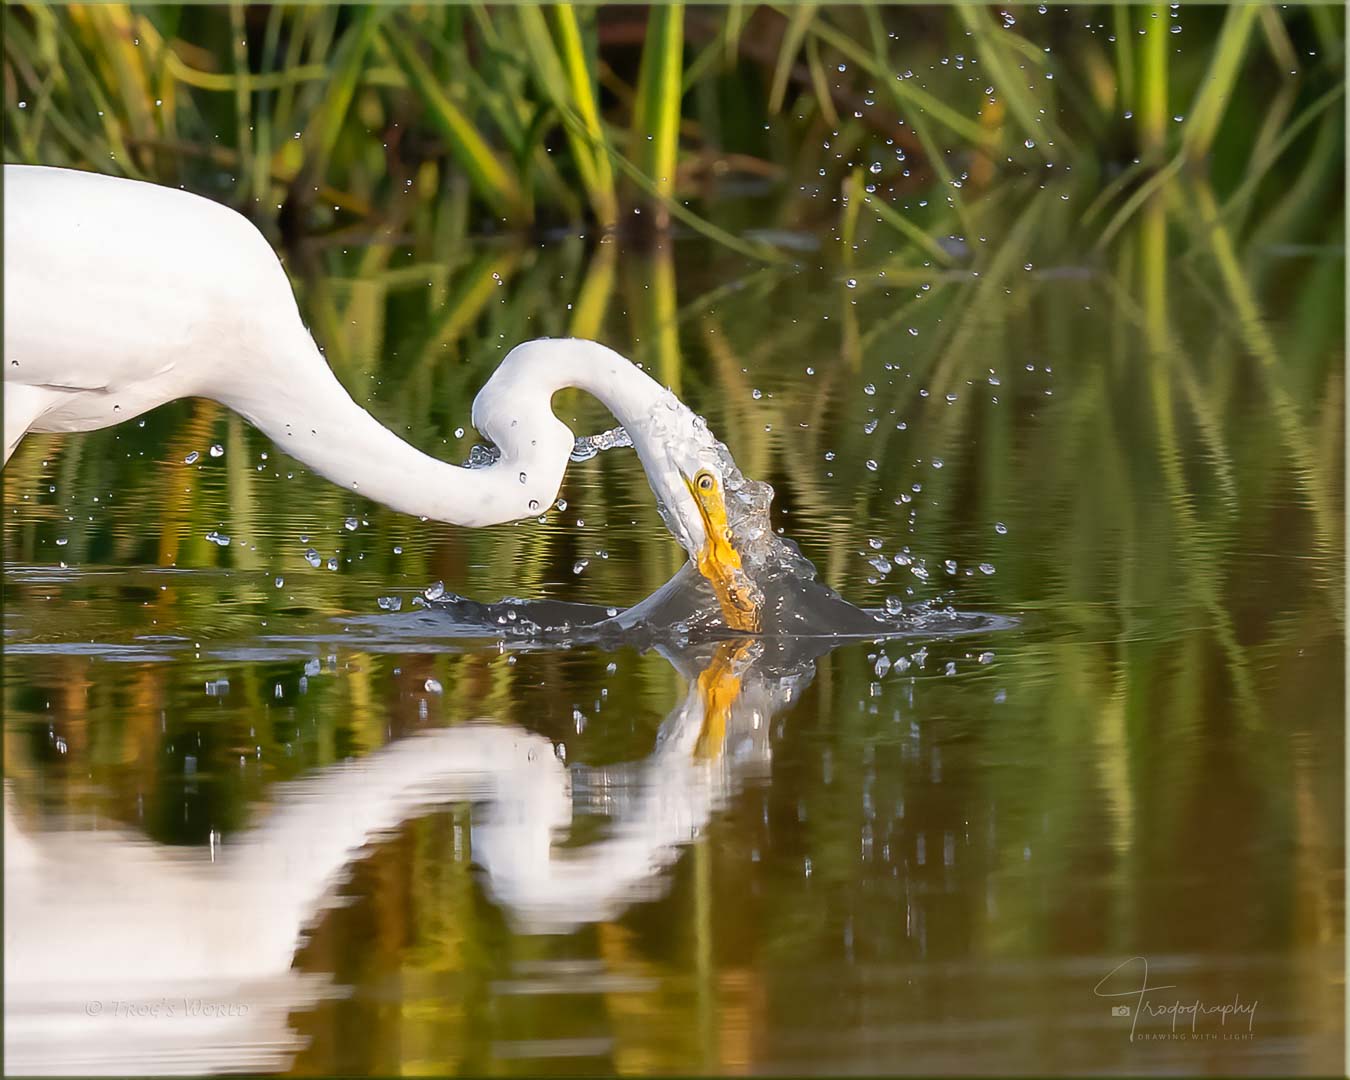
[
  {"x": 1121, "y": 334},
  {"x": 451, "y": 119}
]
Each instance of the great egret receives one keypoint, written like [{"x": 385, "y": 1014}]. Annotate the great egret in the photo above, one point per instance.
[
  {"x": 122, "y": 295},
  {"x": 102, "y": 916}
]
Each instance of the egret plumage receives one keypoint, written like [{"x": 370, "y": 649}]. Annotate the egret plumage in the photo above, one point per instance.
[{"x": 122, "y": 295}]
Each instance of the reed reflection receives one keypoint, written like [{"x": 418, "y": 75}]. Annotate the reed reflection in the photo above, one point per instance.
[{"x": 148, "y": 958}]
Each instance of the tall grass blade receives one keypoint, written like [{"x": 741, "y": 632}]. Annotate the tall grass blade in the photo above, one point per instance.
[
  {"x": 656, "y": 115},
  {"x": 497, "y": 186},
  {"x": 1207, "y": 112}
]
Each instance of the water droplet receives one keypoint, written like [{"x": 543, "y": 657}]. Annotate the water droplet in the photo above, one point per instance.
[
  {"x": 852, "y": 283},
  {"x": 389, "y": 603},
  {"x": 398, "y": 549},
  {"x": 522, "y": 478},
  {"x": 217, "y": 450},
  {"x": 1000, "y": 528},
  {"x": 350, "y": 524},
  {"x": 61, "y": 541},
  {"x": 894, "y": 606},
  {"x": 986, "y": 568},
  {"x": 434, "y": 591},
  {"x": 191, "y": 459},
  {"x": 869, "y": 389},
  {"x": 534, "y": 505},
  {"x": 580, "y": 565},
  {"x": 332, "y": 564},
  {"x": 431, "y": 686},
  {"x": 313, "y": 558},
  {"x": 217, "y": 538},
  {"x": 872, "y": 466},
  {"x": 279, "y": 582}
]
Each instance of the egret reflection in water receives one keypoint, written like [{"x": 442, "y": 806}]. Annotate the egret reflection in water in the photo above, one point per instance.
[{"x": 104, "y": 927}]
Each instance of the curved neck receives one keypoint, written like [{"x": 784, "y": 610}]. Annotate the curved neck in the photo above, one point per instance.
[
  {"x": 301, "y": 405},
  {"x": 534, "y": 371}
]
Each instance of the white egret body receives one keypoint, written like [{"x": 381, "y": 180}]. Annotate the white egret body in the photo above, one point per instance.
[{"x": 122, "y": 295}]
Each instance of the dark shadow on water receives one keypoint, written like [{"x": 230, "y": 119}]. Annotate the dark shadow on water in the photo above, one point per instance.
[{"x": 683, "y": 612}]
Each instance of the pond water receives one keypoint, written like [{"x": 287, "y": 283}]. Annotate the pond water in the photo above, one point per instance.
[{"x": 265, "y": 811}]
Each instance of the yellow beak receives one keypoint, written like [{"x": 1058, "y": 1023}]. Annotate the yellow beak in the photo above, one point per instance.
[
  {"x": 719, "y": 686},
  {"x": 720, "y": 563}
]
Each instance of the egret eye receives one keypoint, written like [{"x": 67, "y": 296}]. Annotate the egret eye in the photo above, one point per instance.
[{"x": 705, "y": 481}]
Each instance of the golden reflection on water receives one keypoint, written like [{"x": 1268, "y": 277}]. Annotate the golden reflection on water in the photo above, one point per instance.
[{"x": 914, "y": 868}]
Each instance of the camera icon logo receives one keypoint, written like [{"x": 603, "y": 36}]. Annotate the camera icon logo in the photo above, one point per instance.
[{"x": 1120, "y": 1010}]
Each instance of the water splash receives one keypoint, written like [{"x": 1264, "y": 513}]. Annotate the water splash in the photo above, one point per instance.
[
  {"x": 588, "y": 446},
  {"x": 585, "y": 447},
  {"x": 782, "y": 582}
]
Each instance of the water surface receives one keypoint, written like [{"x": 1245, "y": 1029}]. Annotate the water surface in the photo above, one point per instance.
[{"x": 365, "y": 837}]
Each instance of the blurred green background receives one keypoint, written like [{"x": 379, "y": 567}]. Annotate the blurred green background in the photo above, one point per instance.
[{"x": 1048, "y": 301}]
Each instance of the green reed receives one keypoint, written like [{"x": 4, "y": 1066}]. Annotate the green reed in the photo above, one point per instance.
[{"x": 316, "y": 118}]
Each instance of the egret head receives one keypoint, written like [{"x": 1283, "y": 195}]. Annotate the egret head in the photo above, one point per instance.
[{"x": 694, "y": 481}]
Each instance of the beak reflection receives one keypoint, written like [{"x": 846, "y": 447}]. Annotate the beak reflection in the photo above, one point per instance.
[
  {"x": 719, "y": 562},
  {"x": 718, "y": 688}
]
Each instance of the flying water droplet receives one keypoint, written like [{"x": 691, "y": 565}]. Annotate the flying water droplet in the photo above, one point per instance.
[
  {"x": 434, "y": 591},
  {"x": 580, "y": 565},
  {"x": 431, "y": 686},
  {"x": 586, "y": 447},
  {"x": 390, "y": 603},
  {"x": 191, "y": 459},
  {"x": 313, "y": 558},
  {"x": 217, "y": 450},
  {"x": 480, "y": 456},
  {"x": 217, "y": 538},
  {"x": 350, "y": 524}
]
